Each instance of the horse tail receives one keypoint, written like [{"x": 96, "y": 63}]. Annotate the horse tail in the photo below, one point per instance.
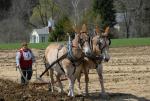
[{"x": 46, "y": 64}]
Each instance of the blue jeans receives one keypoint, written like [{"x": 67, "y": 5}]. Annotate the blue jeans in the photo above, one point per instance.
[{"x": 27, "y": 74}]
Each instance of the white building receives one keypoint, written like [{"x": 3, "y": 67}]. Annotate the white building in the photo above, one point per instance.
[
  {"x": 39, "y": 35},
  {"x": 42, "y": 35}
]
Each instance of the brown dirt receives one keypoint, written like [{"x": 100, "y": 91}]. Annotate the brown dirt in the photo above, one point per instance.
[{"x": 126, "y": 75}]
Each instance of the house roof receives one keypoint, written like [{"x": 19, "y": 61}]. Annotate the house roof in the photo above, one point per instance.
[{"x": 43, "y": 30}]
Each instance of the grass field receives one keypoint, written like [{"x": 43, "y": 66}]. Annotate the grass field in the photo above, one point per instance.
[
  {"x": 114, "y": 43},
  {"x": 130, "y": 42}
]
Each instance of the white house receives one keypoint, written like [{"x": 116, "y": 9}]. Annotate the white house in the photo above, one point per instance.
[{"x": 39, "y": 35}]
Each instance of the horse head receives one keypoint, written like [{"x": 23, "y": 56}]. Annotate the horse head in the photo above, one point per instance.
[
  {"x": 80, "y": 43},
  {"x": 101, "y": 43},
  {"x": 82, "y": 39},
  {"x": 85, "y": 40}
]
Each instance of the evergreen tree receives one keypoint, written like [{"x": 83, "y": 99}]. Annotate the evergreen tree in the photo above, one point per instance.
[
  {"x": 62, "y": 27},
  {"x": 104, "y": 9}
]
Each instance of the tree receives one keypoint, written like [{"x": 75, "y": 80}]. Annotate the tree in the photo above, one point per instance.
[
  {"x": 43, "y": 11},
  {"x": 104, "y": 9},
  {"x": 62, "y": 27},
  {"x": 136, "y": 17},
  {"x": 15, "y": 16},
  {"x": 122, "y": 7},
  {"x": 4, "y": 8}
]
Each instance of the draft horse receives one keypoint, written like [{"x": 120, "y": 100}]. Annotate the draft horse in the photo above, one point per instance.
[
  {"x": 71, "y": 65},
  {"x": 94, "y": 57}
]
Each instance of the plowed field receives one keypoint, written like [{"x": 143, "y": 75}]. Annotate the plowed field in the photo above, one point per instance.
[{"x": 126, "y": 75}]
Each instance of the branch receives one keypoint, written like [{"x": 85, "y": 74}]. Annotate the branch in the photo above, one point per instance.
[
  {"x": 41, "y": 15},
  {"x": 32, "y": 25}
]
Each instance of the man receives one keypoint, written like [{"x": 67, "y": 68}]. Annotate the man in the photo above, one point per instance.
[{"x": 24, "y": 61}]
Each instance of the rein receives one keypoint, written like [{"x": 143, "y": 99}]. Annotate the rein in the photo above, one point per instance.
[
  {"x": 105, "y": 44},
  {"x": 62, "y": 57}
]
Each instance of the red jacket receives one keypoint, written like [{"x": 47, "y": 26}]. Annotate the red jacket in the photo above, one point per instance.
[{"x": 24, "y": 64}]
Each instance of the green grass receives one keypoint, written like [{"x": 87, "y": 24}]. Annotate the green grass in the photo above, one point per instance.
[
  {"x": 114, "y": 43},
  {"x": 130, "y": 42},
  {"x": 18, "y": 45},
  {"x": 31, "y": 45}
]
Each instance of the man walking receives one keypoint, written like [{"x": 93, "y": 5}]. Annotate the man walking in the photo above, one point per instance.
[{"x": 24, "y": 61}]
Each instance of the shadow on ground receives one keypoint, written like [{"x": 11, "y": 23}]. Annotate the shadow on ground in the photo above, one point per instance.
[{"x": 114, "y": 97}]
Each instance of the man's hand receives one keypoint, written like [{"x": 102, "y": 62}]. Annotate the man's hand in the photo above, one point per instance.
[{"x": 17, "y": 66}]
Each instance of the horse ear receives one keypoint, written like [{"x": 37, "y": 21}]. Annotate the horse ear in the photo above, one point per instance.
[
  {"x": 97, "y": 31},
  {"x": 107, "y": 30},
  {"x": 83, "y": 29},
  {"x": 76, "y": 29}
]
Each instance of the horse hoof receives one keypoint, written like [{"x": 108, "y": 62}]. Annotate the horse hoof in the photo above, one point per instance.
[
  {"x": 85, "y": 94},
  {"x": 62, "y": 92},
  {"x": 104, "y": 96}
]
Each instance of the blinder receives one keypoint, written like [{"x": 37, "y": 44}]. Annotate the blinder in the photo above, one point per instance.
[
  {"x": 82, "y": 41},
  {"x": 103, "y": 38}
]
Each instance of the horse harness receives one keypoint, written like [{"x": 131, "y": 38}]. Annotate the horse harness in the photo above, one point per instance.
[
  {"x": 94, "y": 57},
  {"x": 75, "y": 62}
]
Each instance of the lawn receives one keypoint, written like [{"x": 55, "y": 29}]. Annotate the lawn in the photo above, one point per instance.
[
  {"x": 130, "y": 42},
  {"x": 114, "y": 43}
]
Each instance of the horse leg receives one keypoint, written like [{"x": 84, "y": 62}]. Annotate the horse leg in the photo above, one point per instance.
[
  {"x": 60, "y": 84},
  {"x": 71, "y": 80},
  {"x": 99, "y": 71},
  {"x": 78, "y": 74},
  {"x": 86, "y": 72},
  {"x": 78, "y": 80},
  {"x": 51, "y": 72}
]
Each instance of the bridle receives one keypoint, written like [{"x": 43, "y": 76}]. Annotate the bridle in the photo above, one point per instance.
[
  {"x": 100, "y": 44},
  {"x": 82, "y": 41},
  {"x": 103, "y": 38}
]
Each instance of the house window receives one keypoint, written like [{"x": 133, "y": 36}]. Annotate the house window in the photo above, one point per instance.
[{"x": 43, "y": 39}]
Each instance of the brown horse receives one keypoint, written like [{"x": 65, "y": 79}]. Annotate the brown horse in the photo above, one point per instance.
[
  {"x": 99, "y": 51},
  {"x": 72, "y": 64}
]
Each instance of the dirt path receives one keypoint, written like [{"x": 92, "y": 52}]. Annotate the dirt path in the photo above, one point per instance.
[{"x": 127, "y": 74}]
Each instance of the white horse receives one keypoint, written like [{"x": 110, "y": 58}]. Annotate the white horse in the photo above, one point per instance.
[
  {"x": 99, "y": 51},
  {"x": 72, "y": 64}
]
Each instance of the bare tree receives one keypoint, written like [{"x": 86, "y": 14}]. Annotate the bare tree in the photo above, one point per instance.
[
  {"x": 16, "y": 24},
  {"x": 134, "y": 16},
  {"x": 43, "y": 11},
  {"x": 76, "y": 12}
]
